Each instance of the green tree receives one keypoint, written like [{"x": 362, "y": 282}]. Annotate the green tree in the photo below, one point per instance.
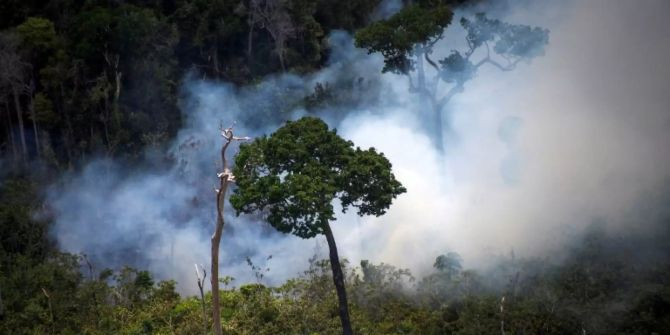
[
  {"x": 294, "y": 176},
  {"x": 38, "y": 39},
  {"x": 407, "y": 39},
  {"x": 449, "y": 263},
  {"x": 13, "y": 78}
]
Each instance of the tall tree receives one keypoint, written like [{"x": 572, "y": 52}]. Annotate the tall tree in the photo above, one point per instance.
[
  {"x": 293, "y": 177},
  {"x": 225, "y": 179},
  {"x": 38, "y": 40},
  {"x": 407, "y": 40},
  {"x": 273, "y": 16},
  {"x": 13, "y": 71}
]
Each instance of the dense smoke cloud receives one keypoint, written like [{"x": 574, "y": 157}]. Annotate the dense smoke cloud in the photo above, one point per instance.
[{"x": 536, "y": 155}]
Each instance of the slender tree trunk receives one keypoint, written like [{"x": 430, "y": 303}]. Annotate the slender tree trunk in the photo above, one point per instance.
[
  {"x": 420, "y": 70},
  {"x": 225, "y": 177},
  {"x": 117, "y": 94},
  {"x": 19, "y": 117},
  {"x": 280, "y": 53},
  {"x": 438, "y": 128},
  {"x": 201, "y": 287},
  {"x": 51, "y": 311},
  {"x": 216, "y": 242},
  {"x": 10, "y": 132},
  {"x": 68, "y": 134},
  {"x": 31, "y": 109},
  {"x": 2, "y": 306},
  {"x": 338, "y": 279},
  {"x": 250, "y": 39},
  {"x": 215, "y": 57}
]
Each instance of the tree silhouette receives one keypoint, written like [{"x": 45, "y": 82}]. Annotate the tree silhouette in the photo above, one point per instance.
[
  {"x": 449, "y": 264},
  {"x": 293, "y": 176},
  {"x": 407, "y": 40},
  {"x": 225, "y": 179}
]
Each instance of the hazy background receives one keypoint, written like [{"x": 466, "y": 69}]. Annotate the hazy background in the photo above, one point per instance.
[{"x": 578, "y": 136}]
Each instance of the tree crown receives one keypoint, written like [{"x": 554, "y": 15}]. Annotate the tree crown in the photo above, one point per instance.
[{"x": 294, "y": 175}]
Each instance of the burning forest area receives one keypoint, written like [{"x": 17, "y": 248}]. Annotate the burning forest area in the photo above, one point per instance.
[{"x": 334, "y": 167}]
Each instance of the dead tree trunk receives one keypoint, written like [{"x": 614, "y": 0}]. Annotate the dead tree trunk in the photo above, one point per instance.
[
  {"x": 225, "y": 178},
  {"x": 275, "y": 19},
  {"x": 338, "y": 279},
  {"x": 216, "y": 242},
  {"x": 201, "y": 287}
]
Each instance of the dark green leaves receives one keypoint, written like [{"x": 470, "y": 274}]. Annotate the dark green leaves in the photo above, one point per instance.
[
  {"x": 456, "y": 68},
  {"x": 508, "y": 40},
  {"x": 396, "y": 37},
  {"x": 422, "y": 25},
  {"x": 368, "y": 183},
  {"x": 294, "y": 175},
  {"x": 38, "y": 33}
]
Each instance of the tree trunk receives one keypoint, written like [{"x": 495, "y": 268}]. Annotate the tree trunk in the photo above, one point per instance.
[
  {"x": 2, "y": 307},
  {"x": 338, "y": 279},
  {"x": 215, "y": 57},
  {"x": 68, "y": 134},
  {"x": 19, "y": 117},
  {"x": 33, "y": 116},
  {"x": 225, "y": 177},
  {"x": 438, "y": 131},
  {"x": 250, "y": 39},
  {"x": 280, "y": 55},
  {"x": 10, "y": 132},
  {"x": 117, "y": 95},
  {"x": 421, "y": 78},
  {"x": 437, "y": 126},
  {"x": 216, "y": 242}
]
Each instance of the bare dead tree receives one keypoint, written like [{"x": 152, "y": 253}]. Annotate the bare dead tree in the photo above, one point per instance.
[
  {"x": 253, "y": 18},
  {"x": 201, "y": 287},
  {"x": 225, "y": 178},
  {"x": 274, "y": 18}
]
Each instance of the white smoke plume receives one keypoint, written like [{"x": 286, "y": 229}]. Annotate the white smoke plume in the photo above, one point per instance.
[{"x": 538, "y": 153}]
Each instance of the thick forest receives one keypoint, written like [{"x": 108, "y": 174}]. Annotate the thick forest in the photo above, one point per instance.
[{"x": 112, "y": 117}]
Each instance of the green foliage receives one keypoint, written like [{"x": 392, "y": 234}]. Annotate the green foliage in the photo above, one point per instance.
[
  {"x": 449, "y": 263},
  {"x": 38, "y": 34},
  {"x": 297, "y": 172},
  {"x": 396, "y": 37},
  {"x": 69, "y": 58},
  {"x": 88, "y": 65},
  {"x": 508, "y": 40},
  {"x": 44, "y": 110},
  {"x": 20, "y": 233},
  {"x": 348, "y": 15},
  {"x": 456, "y": 68}
]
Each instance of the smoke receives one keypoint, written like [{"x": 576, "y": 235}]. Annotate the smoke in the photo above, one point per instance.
[
  {"x": 386, "y": 9},
  {"x": 542, "y": 151},
  {"x": 537, "y": 154}
]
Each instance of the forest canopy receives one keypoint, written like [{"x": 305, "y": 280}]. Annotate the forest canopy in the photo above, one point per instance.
[{"x": 86, "y": 81}]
